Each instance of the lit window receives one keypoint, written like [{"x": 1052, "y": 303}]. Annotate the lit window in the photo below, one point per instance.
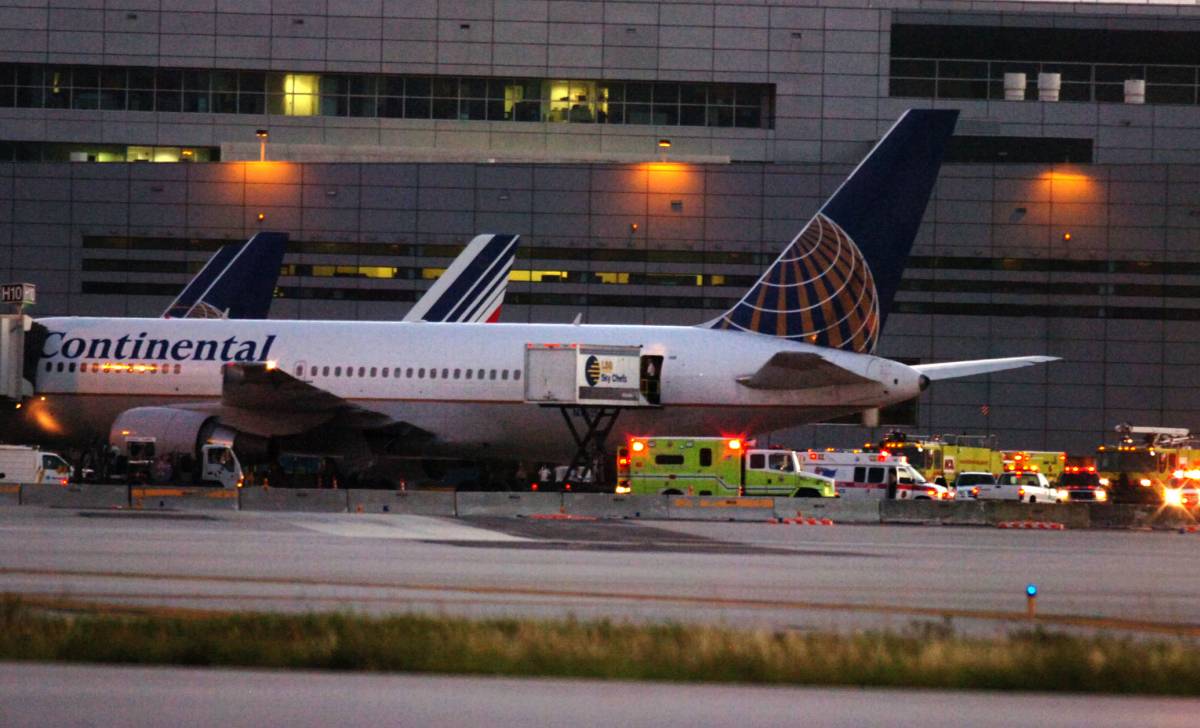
[{"x": 300, "y": 94}]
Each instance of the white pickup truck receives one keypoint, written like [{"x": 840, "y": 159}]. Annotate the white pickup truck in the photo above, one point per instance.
[{"x": 1027, "y": 487}]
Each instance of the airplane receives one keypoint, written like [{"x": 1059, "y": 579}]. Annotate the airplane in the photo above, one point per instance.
[
  {"x": 238, "y": 282},
  {"x": 795, "y": 349}
]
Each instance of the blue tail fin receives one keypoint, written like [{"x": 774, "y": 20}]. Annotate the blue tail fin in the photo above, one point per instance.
[
  {"x": 833, "y": 285},
  {"x": 237, "y": 282}
]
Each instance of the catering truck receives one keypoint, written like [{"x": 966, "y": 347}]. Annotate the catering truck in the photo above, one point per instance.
[
  {"x": 23, "y": 464},
  {"x": 169, "y": 455},
  {"x": 720, "y": 466}
]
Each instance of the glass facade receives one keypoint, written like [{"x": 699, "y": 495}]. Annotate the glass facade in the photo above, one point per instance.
[{"x": 575, "y": 101}]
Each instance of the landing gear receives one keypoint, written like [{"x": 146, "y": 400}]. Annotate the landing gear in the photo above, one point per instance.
[{"x": 590, "y": 453}]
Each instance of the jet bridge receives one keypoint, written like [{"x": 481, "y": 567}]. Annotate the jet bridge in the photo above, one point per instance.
[
  {"x": 13, "y": 330},
  {"x": 590, "y": 385}
]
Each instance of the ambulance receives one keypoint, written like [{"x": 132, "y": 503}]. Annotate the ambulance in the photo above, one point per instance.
[
  {"x": 879, "y": 475},
  {"x": 718, "y": 466}
]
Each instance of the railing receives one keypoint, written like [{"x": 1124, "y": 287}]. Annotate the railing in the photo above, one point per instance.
[{"x": 963, "y": 78}]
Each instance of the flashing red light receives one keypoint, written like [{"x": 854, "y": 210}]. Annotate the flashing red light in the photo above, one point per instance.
[
  {"x": 637, "y": 446},
  {"x": 735, "y": 444},
  {"x": 883, "y": 454},
  {"x": 622, "y": 461},
  {"x": 1091, "y": 468},
  {"x": 533, "y": 486},
  {"x": 1018, "y": 457}
]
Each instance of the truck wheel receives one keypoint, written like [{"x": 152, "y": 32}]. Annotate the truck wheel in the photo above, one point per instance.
[
  {"x": 807, "y": 493},
  {"x": 1032, "y": 499},
  {"x": 672, "y": 491},
  {"x": 705, "y": 492}
]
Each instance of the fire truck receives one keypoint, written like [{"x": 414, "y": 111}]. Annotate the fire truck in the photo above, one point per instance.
[
  {"x": 940, "y": 458},
  {"x": 1145, "y": 461},
  {"x": 720, "y": 466},
  {"x": 1047, "y": 462}
]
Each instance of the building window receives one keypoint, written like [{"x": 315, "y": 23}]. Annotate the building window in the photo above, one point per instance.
[{"x": 577, "y": 101}]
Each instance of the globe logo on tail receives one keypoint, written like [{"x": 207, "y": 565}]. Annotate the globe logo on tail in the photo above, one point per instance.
[{"x": 819, "y": 291}]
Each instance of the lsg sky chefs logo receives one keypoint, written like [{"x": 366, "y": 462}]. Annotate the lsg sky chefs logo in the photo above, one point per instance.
[{"x": 598, "y": 371}]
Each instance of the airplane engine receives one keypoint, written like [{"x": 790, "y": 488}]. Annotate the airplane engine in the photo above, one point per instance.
[{"x": 179, "y": 431}]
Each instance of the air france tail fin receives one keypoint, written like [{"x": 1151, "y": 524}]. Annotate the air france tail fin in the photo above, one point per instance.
[
  {"x": 833, "y": 285},
  {"x": 472, "y": 288},
  {"x": 238, "y": 282}
]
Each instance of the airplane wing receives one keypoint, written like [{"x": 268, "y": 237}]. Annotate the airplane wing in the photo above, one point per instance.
[
  {"x": 262, "y": 400},
  {"x": 472, "y": 288},
  {"x": 954, "y": 369},
  {"x": 800, "y": 370}
]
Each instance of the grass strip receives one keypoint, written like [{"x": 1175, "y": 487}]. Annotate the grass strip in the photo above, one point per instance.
[{"x": 920, "y": 657}]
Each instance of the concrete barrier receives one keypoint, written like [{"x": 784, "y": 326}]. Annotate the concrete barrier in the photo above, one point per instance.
[
  {"x": 838, "y": 510},
  {"x": 75, "y": 495},
  {"x": 507, "y": 504},
  {"x": 713, "y": 508},
  {"x": 182, "y": 498},
  {"x": 307, "y": 500},
  {"x": 981, "y": 512},
  {"x": 610, "y": 505},
  {"x": 1128, "y": 515},
  {"x": 418, "y": 502},
  {"x": 10, "y": 494}
]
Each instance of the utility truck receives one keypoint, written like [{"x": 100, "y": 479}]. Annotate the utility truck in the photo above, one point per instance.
[
  {"x": 719, "y": 466},
  {"x": 24, "y": 464}
]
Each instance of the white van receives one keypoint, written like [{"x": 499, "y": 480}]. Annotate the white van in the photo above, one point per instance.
[
  {"x": 879, "y": 478},
  {"x": 23, "y": 464}
]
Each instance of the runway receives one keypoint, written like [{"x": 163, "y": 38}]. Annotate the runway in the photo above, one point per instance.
[
  {"x": 80, "y": 695},
  {"x": 740, "y": 574}
]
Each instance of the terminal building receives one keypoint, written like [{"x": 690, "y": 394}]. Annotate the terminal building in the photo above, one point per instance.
[{"x": 654, "y": 157}]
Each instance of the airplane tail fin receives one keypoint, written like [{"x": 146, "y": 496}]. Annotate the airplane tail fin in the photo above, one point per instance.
[
  {"x": 237, "y": 282},
  {"x": 833, "y": 285},
  {"x": 472, "y": 288}
]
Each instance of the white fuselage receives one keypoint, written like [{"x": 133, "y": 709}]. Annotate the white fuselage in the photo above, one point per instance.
[{"x": 179, "y": 362}]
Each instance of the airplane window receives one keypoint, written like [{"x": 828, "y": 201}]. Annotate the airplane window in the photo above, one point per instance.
[
  {"x": 325, "y": 371},
  {"x": 387, "y": 371},
  {"x": 457, "y": 373},
  {"x": 492, "y": 374},
  {"x": 71, "y": 367},
  {"x": 433, "y": 373},
  {"x": 337, "y": 371},
  {"x": 177, "y": 369},
  {"x": 504, "y": 374},
  {"x": 299, "y": 370},
  {"x": 421, "y": 373},
  {"x": 445, "y": 374},
  {"x": 480, "y": 375},
  {"x": 95, "y": 367},
  {"x": 349, "y": 371},
  {"x": 49, "y": 366},
  {"x": 408, "y": 372},
  {"x": 60, "y": 366},
  {"x": 470, "y": 372},
  {"x": 362, "y": 371},
  {"x": 395, "y": 373},
  {"x": 374, "y": 371},
  {"x": 516, "y": 375}
]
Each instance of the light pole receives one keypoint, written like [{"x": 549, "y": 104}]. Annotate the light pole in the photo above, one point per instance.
[{"x": 262, "y": 135}]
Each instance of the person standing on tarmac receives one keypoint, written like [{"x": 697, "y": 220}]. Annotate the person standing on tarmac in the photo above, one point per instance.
[{"x": 891, "y": 484}]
